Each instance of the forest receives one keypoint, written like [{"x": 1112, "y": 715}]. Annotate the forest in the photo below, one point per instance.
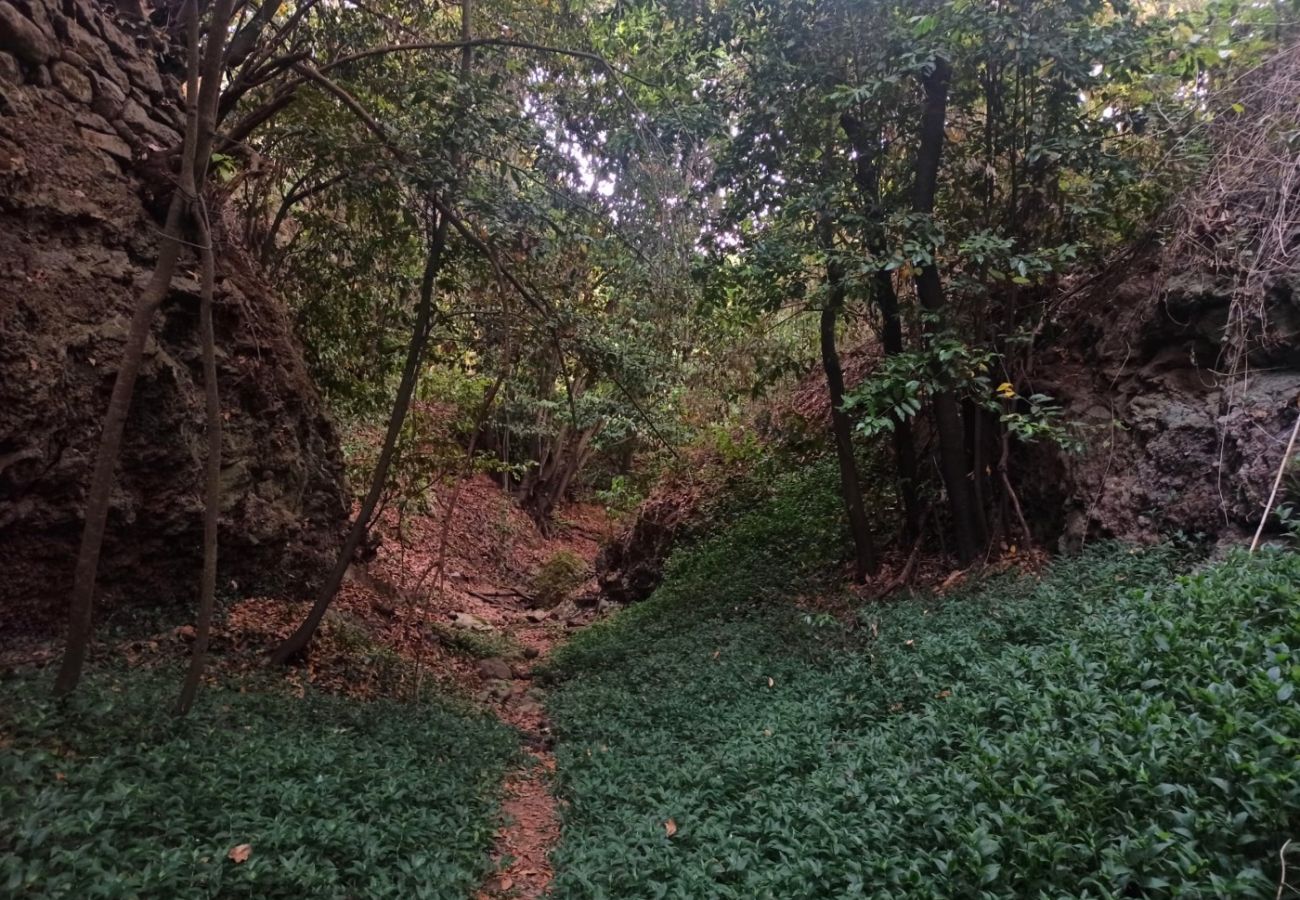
[{"x": 649, "y": 448}]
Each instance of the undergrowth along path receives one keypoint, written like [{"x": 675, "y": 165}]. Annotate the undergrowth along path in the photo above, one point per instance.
[
  {"x": 486, "y": 612},
  {"x": 530, "y": 825}
]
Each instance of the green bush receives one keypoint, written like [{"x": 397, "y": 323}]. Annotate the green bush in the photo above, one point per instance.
[
  {"x": 108, "y": 795},
  {"x": 1104, "y": 731}
]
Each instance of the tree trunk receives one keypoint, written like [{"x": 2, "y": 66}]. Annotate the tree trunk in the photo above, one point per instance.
[
  {"x": 81, "y": 604},
  {"x": 864, "y": 551},
  {"x": 953, "y": 461},
  {"x": 212, "y": 473},
  {"x": 866, "y": 175},
  {"x": 297, "y": 642},
  {"x": 200, "y": 113}
]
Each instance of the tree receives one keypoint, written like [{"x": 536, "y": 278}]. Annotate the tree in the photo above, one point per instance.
[{"x": 929, "y": 290}]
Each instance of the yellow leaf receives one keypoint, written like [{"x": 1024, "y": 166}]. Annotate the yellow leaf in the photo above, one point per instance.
[{"x": 239, "y": 853}]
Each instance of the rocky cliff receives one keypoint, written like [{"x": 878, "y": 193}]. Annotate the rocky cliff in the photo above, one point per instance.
[
  {"x": 88, "y": 96},
  {"x": 1175, "y": 442}
]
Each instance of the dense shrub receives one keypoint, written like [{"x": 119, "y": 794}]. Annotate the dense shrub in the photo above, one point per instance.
[
  {"x": 108, "y": 795},
  {"x": 1104, "y": 731}
]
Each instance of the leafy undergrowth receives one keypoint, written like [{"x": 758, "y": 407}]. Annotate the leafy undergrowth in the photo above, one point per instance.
[
  {"x": 108, "y": 795},
  {"x": 1105, "y": 730}
]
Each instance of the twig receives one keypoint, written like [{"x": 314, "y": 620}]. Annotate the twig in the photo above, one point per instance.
[
  {"x": 1281, "y": 880},
  {"x": 1277, "y": 482}
]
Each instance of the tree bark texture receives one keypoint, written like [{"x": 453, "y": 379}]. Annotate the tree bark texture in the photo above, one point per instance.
[
  {"x": 953, "y": 461},
  {"x": 864, "y": 551}
]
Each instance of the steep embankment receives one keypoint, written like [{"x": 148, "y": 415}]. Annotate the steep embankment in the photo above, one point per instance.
[
  {"x": 87, "y": 101},
  {"x": 1174, "y": 441},
  {"x": 1180, "y": 361}
]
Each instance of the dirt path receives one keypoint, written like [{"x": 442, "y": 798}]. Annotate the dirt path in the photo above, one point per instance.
[
  {"x": 481, "y": 607},
  {"x": 531, "y": 823},
  {"x": 493, "y": 551}
]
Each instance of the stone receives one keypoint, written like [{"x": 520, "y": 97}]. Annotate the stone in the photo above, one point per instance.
[
  {"x": 139, "y": 121},
  {"x": 537, "y": 615},
  {"x": 21, "y": 37},
  {"x": 131, "y": 8},
  {"x": 10, "y": 71},
  {"x": 531, "y": 653},
  {"x": 469, "y": 621},
  {"x": 109, "y": 98},
  {"x": 41, "y": 76},
  {"x": 499, "y": 690},
  {"x": 93, "y": 52},
  {"x": 71, "y": 82},
  {"x": 11, "y": 161},
  {"x": 109, "y": 143},
  {"x": 93, "y": 121},
  {"x": 117, "y": 39},
  {"x": 494, "y": 669},
  {"x": 142, "y": 75}
]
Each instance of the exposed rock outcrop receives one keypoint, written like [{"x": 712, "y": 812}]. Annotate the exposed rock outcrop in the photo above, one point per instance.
[
  {"x": 87, "y": 99},
  {"x": 1173, "y": 443}
]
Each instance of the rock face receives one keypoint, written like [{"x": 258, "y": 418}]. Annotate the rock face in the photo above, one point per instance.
[
  {"x": 1173, "y": 444},
  {"x": 86, "y": 100}
]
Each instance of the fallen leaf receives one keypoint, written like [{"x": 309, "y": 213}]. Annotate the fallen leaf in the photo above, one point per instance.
[
  {"x": 670, "y": 827},
  {"x": 944, "y": 695},
  {"x": 771, "y": 683},
  {"x": 239, "y": 853},
  {"x": 717, "y": 653},
  {"x": 909, "y": 643}
]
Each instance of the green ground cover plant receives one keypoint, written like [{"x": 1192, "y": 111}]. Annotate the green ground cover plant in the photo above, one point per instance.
[
  {"x": 106, "y": 794},
  {"x": 1105, "y": 730}
]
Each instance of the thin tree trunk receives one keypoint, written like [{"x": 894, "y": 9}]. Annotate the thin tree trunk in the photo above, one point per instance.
[
  {"x": 864, "y": 551},
  {"x": 953, "y": 461},
  {"x": 81, "y": 603},
  {"x": 212, "y": 473},
  {"x": 1004, "y": 469},
  {"x": 577, "y": 459},
  {"x": 204, "y": 128},
  {"x": 976, "y": 451},
  {"x": 439, "y": 563},
  {"x": 297, "y": 642},
  {"x": 193, "y": 163},
  {"x": 866, "y": 175}
]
